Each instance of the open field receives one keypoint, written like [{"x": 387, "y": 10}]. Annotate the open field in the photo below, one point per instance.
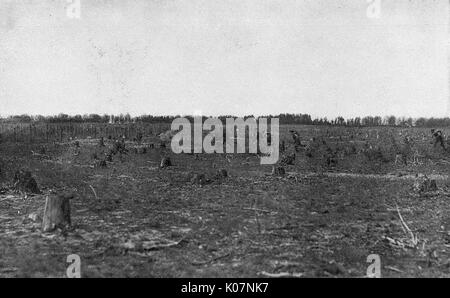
[{"x": 336, "y": 205}]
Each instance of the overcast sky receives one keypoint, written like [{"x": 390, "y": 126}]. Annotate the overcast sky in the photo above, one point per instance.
[{"x": 322, "y": 57}]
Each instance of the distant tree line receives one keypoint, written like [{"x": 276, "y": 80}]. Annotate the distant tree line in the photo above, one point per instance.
[{"x": 303, "y": 119}]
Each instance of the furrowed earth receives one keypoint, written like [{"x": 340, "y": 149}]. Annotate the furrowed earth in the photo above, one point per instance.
[{"x": 343, "y": 199}]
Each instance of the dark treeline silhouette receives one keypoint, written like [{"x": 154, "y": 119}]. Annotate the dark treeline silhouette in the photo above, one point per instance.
[{"x": 303, "y": 119}]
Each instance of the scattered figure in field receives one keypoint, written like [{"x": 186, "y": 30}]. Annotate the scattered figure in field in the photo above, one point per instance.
[
  {"x": 282, "y": 146},
  {"x": 278, "y": 171},
  {"x": 297, "y": 140},
  {"x": 258, "y": 139},
  {"x": 438, "y": 138},
  {"x": 295, "y": 135},
  {"x": 417, "y": 157},
  {"x": 139, "y": 137},
  {"x": 330, "y": 157},
  {"x": 408, "y": 142},
  {"x": 119, "y": 146},
  {"x": 402, "y": 152},
  {"x": 311, "y": 148},
  {"x": 166, "y": 137},
  {"x": 288, "y": 159},
  {"x": 400, "y": 158},
  {"x": 351, "y": 149}
]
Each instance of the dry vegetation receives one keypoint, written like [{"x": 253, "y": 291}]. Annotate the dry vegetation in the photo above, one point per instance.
[{"x": 348, "y": 193}]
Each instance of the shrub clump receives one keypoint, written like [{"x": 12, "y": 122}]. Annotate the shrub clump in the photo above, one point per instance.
[
  {"x": 278, "y": 171},
  {"x": 424, "y": 185},
  {"x": 24, "y": 181}
]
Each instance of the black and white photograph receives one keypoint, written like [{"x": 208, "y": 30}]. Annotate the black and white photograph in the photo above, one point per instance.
[{"x": 225, "y": 145}]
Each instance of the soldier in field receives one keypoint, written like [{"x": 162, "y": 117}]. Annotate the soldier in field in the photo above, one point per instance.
[
  {"x": 297, "y": 141},
  {"x": 438, "y": 138}
]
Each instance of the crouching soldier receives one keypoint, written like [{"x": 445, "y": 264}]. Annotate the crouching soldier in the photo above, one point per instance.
[
  {"x": 438, "y": 138},
  {"x": 297, "y": 140}
]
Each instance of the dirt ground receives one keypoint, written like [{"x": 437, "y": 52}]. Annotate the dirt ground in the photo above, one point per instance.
[{"x": 134, "y": 219}]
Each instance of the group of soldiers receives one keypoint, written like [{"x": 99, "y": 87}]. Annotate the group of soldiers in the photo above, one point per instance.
[
  {"x": 438, "y": 140},
  {"x": 437, "y": 135}
]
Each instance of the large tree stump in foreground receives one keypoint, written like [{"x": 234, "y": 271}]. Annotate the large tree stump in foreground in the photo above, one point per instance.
[{"x": 56, "y": 212}]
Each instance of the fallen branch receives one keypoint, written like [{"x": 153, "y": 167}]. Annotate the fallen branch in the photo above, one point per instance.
[
  {"x": 406, "y": 229},
  {"x": 258, "y": 210},
  {"x": 255, "y": 209},
  {"x": 394, "y": 269},
  {"x": 39, "y": 154},
  {"x": 394, "y": 242},
  {"x": 93, "y": 190},
  {"x": 147, "y": 245},
  {"x": 281, "y": 274},
  {"x": 210, "y": 261},
  {"x": 125, "y": 177}
]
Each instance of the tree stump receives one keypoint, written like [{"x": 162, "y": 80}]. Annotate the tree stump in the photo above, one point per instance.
[
  {"x": 101, "y": 164},
  {"x": 424, "y": 185},
  {"x": 278, "y": 171},
  {"x": 199, "y": 179},
  {"x": 109, "y": 157},
  {"x": 56, "y": 212},
  {"x": 222, "y": 173},
  {"x": 288, "y": 159},
  {"x": 42, "y": 150}
]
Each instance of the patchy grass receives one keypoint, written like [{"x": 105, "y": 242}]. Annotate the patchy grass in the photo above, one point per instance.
[{"x": 133, "y": 219}]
